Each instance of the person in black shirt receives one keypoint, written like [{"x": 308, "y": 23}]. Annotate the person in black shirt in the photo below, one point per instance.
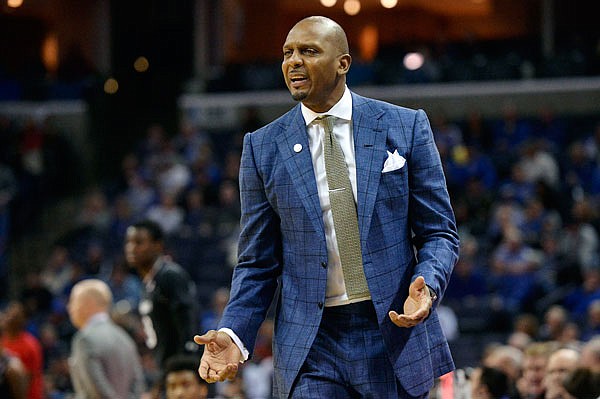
[{"x": 169, "y": 308}]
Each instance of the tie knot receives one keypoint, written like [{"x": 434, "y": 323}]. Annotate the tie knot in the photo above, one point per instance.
[{"x": 327, "y": 121}]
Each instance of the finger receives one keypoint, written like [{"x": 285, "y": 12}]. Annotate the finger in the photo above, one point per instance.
[
  {"x": 417, "y": 285},
  {"x": 208, "y": 337},
  {"x": 203, "y": 370},
  {"x": 213, "y": 376},
  {"x": 229, "y": 372},
  {"x": 395, "y": 318}
]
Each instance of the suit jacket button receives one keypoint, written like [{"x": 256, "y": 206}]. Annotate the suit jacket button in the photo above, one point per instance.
[
  {"x": 320, "y": 304},
  {"x": 324, "y": 265}
]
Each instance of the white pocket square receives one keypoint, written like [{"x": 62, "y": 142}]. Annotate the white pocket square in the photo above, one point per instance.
[{"x": 393, "y": 162}]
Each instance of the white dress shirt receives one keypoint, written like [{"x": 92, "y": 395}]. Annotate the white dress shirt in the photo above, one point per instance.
[{"x": 342, "y": 128}]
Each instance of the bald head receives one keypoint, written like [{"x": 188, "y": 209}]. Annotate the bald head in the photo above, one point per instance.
[
  {"x": 332, "y": 30},
  {"x": 88, "y": 297},
  {"x": 315, "y": 62}
]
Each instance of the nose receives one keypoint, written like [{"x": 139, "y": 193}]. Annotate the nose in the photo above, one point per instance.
[{"x": 295, "y": 58}]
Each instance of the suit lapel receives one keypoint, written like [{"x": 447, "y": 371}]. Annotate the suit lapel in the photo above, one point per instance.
[
  {"x": 370, "y": 150},
  {"x": 299, "y": 164}
]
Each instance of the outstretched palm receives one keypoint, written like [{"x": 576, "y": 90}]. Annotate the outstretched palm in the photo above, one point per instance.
[{"x": 221, "y": 356}]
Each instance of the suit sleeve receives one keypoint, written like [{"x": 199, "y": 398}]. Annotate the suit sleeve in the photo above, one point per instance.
[
  {"x": 431, "y": 216},
  {"x": 259, "y": 252}
]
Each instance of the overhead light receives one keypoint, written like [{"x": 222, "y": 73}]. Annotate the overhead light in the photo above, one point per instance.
[
  {"x": 111, "y": 86},
  {"x": 14, "y": 3},
  {"x": 413, "y": 61},
  {"x": 328, "y": 3},
  {"x": 352, "y": 7},
  {"x": 389, "y": 3},
  {"x": 141, "y": 64}
]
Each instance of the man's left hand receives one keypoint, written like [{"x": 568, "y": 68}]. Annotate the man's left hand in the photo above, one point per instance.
[{"x": 416, "y": 307}]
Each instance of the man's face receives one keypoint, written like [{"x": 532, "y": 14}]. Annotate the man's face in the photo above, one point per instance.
[
  {"x": 140, "y": 249},
  {"x": 534, "y": 369},
  {"x": 184, "y": 384},
  {"x": 560, "y": 364},
  {"x": 313, "y": 66}
]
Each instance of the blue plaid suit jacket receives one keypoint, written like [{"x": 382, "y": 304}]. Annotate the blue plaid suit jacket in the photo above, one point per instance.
[{"x": 406, "y": 224}]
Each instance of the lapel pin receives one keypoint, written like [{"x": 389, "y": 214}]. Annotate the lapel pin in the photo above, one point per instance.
[{"x": 297, "y": 147}]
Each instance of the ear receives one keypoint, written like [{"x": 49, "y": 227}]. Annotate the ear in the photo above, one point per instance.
[{"x": 344, "y": 64}]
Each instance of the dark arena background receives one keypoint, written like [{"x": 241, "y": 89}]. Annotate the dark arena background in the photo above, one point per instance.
[{"x": 115, "y": 111}]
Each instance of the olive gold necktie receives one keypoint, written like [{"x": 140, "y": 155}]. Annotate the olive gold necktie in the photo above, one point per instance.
[{"x": 343, "y": 209}]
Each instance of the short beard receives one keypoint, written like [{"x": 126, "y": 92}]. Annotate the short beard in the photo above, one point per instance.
[{"x": 299, "y": 96}]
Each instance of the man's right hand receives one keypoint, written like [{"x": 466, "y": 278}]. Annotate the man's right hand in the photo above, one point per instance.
[{"x": 221, "y": 356}]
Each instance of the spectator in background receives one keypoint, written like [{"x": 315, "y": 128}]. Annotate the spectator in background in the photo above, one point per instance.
[
  {"x": 182, "y": 380},
  {"x": 538, "y": 164},
  {"x": 513, "y": 267},
  {"x": 57, "y": 272},
  {"x": 592, "y": 324},
  {"x": 13, "y": 376},
  {"x": 104, "y": 360},
  {"x": 468, "y": 283},
  {"x": 583, "y": 383},
  {"x": 580, "y": 297},
  {"x": 590, "y": 354},
  {"x": 517, "y": 188},
  {"x": 508, "y": 359},
  {"x": 25, "y": 346},
  {"x": 167, "y": 213},
  {"x": 169, "y": 304},
  {"x": 578, "y": 169},
  {"x": 555, "y": 321},
  {"x": 95, "y": 212},
  {"x": 535, "y": 361},
  {"x": 489, "y": 383},
  {"x": 560, "y": 363}
]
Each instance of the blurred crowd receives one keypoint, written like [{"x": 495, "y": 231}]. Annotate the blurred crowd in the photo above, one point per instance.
[{"x": 526, "y": 193}]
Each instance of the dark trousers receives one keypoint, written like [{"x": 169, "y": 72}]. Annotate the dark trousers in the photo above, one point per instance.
[{"x": 348, "y": 358}]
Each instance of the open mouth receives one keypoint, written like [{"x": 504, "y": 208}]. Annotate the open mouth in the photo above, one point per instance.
[{"x": 297, "y": 81}]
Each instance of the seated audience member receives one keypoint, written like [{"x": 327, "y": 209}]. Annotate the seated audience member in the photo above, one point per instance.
[
  {"x": 592, "y": 325},
  {"x": 489, "y": 383},
  {"x": 560, "y": 363},
  {"x": 535, "y": 361},
  {"x": 582, "y": 383},
  {"x": 13, "y": 376},
  {"x": 182, "y": 380},
  {"x": 25, "y": 346},
  {"x": 555, "y": 320},
  {"x": 590, "y": 354},
  {"x": 506, "y": 358}
]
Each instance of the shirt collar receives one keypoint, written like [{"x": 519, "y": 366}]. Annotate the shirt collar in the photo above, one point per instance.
[
  {"x": 97, "y": 318},
  {"x": 149, "y": 277},
  {"x": 342, "y": 109}
]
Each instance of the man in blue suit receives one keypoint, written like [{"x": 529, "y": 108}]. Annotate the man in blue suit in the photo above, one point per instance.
[{"x": 330, "y": 342}]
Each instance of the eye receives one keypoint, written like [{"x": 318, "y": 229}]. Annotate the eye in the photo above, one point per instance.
[
  {"x": 310, "y": 51},
  {"x": 287, "y": 53}
]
